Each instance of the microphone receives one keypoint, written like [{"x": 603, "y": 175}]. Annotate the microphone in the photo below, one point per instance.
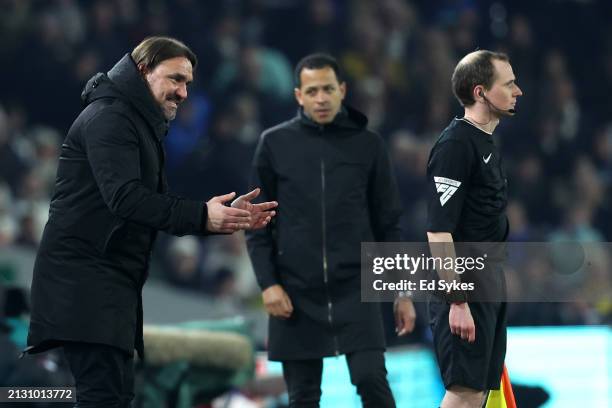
[{"x": 509, "y": 111}]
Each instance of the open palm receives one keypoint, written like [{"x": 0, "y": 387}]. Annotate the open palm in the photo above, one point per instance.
[{"x": 261, "y": 213}]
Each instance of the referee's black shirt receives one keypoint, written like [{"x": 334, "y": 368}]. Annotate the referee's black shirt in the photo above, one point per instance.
[{"x": 467, "y": 187}]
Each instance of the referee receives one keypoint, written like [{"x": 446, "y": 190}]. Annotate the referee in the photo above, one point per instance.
[{"x": 467, "y": 202}]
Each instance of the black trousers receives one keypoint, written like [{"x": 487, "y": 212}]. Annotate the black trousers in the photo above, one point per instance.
[
  {"x": 103, "y": 375},
  {"x": 368, "y": 374}
]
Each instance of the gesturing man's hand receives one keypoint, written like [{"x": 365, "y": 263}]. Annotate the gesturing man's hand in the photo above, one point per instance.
[
  {"x": 261, "y": 214},
  {"x": 225, "y": 219}
]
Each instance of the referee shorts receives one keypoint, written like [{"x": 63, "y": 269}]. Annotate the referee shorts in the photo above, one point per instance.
[{"x": 475, "y": 365}]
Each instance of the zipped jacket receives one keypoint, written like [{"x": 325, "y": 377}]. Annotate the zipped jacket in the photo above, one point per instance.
[{"x": 335, "y": 190}]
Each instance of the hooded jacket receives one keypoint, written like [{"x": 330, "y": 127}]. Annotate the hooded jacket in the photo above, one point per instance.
[
  {"x": 110, "y": 199},
  {"x": 335, "y": 189}
]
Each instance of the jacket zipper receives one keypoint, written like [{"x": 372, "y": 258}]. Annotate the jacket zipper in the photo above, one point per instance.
[{"x": 325, "y": 271}]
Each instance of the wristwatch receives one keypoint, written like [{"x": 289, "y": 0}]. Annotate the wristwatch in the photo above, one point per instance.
[
  {"x": 405, "y": 294},
  {"x": 455, "y": 297}
]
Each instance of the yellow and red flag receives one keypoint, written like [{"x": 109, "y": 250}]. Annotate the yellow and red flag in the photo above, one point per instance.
[{"x": 504, "y": 397}]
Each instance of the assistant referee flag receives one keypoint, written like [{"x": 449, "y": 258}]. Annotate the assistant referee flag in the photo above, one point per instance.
[{"x": 504, "y": 397}]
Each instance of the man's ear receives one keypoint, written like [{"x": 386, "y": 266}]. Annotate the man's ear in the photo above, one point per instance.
[
  {"x": 478, "y": 92},
  {"x": 142, "y": 69},
  {"x": 297, "y": 92},
  {"x": 343, "y": 89}
]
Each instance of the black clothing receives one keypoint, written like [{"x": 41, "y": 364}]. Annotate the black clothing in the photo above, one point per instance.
[
  {"x": 109, "y": 201},
  {"x": 303, "y": 379},
  {"x": 468, "y": 198},
  {"x": 104, "y": 375},
  {"x": 335, "y": 189},
  {"x": 368, "y": 375},
  {"x": 467, "y": 185},
  {"x": 326, "y": 323},
  {"x": 475, "y": 365}
]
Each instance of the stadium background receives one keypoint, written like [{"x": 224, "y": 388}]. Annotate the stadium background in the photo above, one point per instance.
[{"x": 397, "y": 57}]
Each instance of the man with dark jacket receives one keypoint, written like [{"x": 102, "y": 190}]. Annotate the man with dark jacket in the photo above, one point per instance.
[
  {"x": 110, "y": 200},
  {"x": 332, "y": 178}
]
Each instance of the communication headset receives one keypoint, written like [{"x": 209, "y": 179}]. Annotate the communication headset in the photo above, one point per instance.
[{"x": 510, "y": 111}]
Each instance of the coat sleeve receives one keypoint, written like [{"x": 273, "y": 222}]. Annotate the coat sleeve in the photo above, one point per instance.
[
  {"x": 383, "y": 197},
  {"x": 112, "y": 147},
  {"x": 261, "y": 243}
]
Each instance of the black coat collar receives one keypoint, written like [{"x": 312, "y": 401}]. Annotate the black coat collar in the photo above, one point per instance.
[
  {"x": 130, "y": 82},
  {"x": 125, "y": 82},
  {"x": 347, "y": 118}
]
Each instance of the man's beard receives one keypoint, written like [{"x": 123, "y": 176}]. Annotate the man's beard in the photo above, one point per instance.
[{"x": 170, "y": 113}]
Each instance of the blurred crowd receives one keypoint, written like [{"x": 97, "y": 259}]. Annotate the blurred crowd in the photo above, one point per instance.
[{"x": 397, "y": 56}]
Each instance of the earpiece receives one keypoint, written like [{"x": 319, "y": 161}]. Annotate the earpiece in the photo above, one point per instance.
[{"x": 482, "y": 95}]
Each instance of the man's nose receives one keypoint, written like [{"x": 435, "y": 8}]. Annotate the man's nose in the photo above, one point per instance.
[
  {"x": 182, "y": 91},
  {"x": 518, "y": 91}
]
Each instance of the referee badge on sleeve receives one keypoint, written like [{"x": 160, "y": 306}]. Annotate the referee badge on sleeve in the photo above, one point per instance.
[{"x": 447, "y": 187}]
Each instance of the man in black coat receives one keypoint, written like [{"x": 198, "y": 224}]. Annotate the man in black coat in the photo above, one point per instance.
[
  {"x": 332, "y": 178},
  {"x": 110, "y": 200}
]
